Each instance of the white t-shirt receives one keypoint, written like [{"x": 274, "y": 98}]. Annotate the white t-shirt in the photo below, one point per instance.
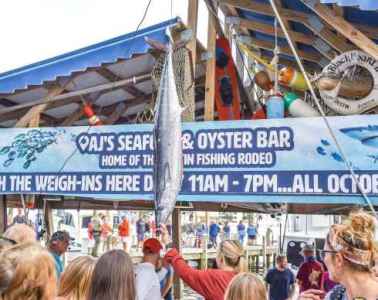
[{"x": 147, "y": 282}]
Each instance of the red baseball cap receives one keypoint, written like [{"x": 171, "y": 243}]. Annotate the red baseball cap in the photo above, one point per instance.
[{"x": 152, "y": 245}]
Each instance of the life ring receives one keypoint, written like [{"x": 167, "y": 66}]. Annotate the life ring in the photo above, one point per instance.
[{"x": 336, "y": 68}]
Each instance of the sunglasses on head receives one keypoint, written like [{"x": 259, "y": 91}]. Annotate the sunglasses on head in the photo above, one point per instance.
[{"x": 323, "y": 253}]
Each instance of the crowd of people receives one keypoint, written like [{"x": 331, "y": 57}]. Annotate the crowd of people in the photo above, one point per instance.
[
  {"x": 32, "y": 272},
  {"x": 100, "y": 232}
]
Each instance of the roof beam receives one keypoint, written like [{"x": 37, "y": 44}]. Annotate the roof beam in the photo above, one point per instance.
[
  {"x": 110, "y": 109},
  {"x": 111, "y": 76},
  {"x": 309, "y": 20},
  {"x": 45, "y": 117},
  {"x": 287, "y": 25},
  {"x": 266, "y": 9},
  {"x": 307, "y": 39},
  {"x": 75, "y": 116},
  {"x": 34, "y": 112},
  {"x": 343, "y": 27},
  {"x": 116, "y": 114},
  {"x": 312, "y": 57},
  {"x": 69, "y": 97}
]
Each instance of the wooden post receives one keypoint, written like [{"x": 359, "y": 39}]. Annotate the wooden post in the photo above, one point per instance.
[
  {"x": 176, "y": 235},
  {"x": 210, "y": 70},
  {"x": 206, "y": 240},
  {"x": 344, "y": 27},
  {"x": 264, "y": 253},
  {"x": 247, "y": 259},
  {"x": 192, "y": 24},
  {"x": 48, "y": 216},
  {"x": 33, "y": 115},
  {"x": 3, "y": 214}
]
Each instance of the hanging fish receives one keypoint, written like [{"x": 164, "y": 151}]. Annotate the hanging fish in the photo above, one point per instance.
[{"x": 168, "y": 163}]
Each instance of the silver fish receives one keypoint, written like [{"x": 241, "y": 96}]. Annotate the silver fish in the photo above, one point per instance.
[{"x": 168, "y": 163}]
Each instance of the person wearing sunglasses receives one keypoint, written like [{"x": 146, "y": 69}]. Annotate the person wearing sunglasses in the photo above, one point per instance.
[
  {"x": 349, "y": 254},
  {"x": 58, "y": 245}
]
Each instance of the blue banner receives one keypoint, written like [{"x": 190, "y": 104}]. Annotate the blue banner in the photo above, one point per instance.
[{"x": 287, "y": 160}]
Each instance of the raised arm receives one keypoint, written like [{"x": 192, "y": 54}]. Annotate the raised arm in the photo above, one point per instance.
[{"x": 196, "y": 279}]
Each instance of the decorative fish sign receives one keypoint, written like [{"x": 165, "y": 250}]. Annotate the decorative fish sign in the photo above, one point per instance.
[
  {"x": 168, "y": 163},
  {"x": 367, "y": 135}
]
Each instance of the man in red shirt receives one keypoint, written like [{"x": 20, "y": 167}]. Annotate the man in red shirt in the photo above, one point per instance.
[
  {"x": 106, "y": 232},
  {"x": 124, "y": 233},
  {"x": 310, "y": 272}
]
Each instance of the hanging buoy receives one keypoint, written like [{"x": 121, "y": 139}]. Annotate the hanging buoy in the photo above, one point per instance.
[
  {"x": 290, "y": 77},
  {"x": 297, "y": 107},
  {"x": 93, "y": 119},
  {"x": 262, "y": 79},
  {"x": 275, "y": 107},
  {"x": 259, "y": 113}
]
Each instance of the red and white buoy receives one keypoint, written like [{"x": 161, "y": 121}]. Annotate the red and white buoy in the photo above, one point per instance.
[{"x": 93, "y": 119}]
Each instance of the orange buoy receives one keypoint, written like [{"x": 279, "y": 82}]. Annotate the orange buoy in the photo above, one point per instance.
[
  {"x": 93, "y": 119},
  {"x": 290, "y": 77}
]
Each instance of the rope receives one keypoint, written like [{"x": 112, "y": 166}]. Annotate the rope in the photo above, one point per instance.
[
  {"x": 317, "y": 102},
  {"x": 144, "y": 15},
  {"x": 275, "y": 58}
]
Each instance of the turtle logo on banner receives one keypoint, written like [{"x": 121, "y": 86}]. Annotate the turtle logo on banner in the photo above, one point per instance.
[
  {"x": 227, "y": 98},
  {"x": 349, "y": 84}
]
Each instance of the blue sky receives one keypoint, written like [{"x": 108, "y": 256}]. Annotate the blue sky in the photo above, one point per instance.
[{"x": 32, "y": 30}]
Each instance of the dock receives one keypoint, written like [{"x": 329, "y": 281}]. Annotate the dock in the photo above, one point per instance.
[{"x": 259, "y": 258}]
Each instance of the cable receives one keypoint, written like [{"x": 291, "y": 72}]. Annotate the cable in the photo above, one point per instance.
[
  {"x": 144, "y": 15},
  {"x": 323, "y": 115}
]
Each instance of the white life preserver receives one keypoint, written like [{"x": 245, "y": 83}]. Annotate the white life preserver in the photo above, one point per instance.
[{"x": 336, "y": 68}]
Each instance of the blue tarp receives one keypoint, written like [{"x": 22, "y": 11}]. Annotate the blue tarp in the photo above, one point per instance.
[
  {"x": 361, "y": 4},
  {"x": 121, "y": 47}
]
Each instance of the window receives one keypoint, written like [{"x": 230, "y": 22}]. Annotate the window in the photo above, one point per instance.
[
  {"x": 297, "y": 224},
  {"x": 85, "y": 221}
]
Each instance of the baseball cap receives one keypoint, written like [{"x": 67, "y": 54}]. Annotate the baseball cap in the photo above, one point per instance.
[
  {"x": 60, "y": 236},
  {"x": 308, "y": 247},
  {"x": 152, "y": 245}
]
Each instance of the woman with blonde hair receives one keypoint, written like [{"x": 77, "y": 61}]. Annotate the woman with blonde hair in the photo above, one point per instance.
[
  {"x": 20, "y": 233},
  {"x": 27, "y": 272},
  {"x": 349, "y": 254},
  {"x": 211, "y": 283},
  {"x": 74, "y": 283},
  {"x": 246, "y": 286}
]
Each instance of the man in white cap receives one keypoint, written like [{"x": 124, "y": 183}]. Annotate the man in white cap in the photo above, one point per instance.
[{"x": 311, "y": 271}]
